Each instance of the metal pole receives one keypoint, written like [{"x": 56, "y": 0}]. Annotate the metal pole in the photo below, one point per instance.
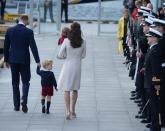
[
  {"x": 58, "y": 16},
  {"x": 99, "y": 17},
  {"x": 31, "y": 14}
]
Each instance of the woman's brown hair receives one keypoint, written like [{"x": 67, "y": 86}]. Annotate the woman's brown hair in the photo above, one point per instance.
[{"x": 75, "y": 35}]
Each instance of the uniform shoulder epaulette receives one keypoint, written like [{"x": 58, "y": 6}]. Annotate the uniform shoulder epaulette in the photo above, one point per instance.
[{"x": 155, "y": 79}]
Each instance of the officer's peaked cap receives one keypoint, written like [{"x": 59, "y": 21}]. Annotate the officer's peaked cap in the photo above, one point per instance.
[{"x": 153, "y": 32}]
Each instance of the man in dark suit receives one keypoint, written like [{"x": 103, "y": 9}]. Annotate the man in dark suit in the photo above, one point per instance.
[
  {"x": 152, "y": 76},
  {"x": 18, "y": 39}
]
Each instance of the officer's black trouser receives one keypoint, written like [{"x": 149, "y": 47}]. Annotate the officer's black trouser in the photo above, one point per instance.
[
  {"x": 155, "y": 104},
  {"x": 163, "y": 101},
  {"x": 148, "y": 107}
]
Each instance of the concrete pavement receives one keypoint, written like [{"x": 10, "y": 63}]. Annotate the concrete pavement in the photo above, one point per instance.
[{"x": 103, "y": 103}]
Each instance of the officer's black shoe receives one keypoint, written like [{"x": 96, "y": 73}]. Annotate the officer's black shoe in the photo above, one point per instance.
[
  {"x": 140, "y": 116},
  {"x": 137, "y": 101},
  {"x": 137, "y": 116},
  {"x": 141, "y": 108},
  {"x": 139, "y": 104},
  {"x": 133, "y": 95},
  {"x": 145, "y": 121},
  {"x": 140, "y": 111},
  {"x": 133, "y": 91},
  {"x": 24, "y": 108},
  {"x": 148, "y": 125},
  {"x": 134, "y": 98}
]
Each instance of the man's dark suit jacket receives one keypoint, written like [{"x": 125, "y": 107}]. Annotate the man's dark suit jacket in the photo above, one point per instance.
[{"x": 18, "y": 39}]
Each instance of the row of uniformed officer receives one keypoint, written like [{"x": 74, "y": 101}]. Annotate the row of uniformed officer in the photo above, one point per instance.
[{"x": 152, "y": 79}]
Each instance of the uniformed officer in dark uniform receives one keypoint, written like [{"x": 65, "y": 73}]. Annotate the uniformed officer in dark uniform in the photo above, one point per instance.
[
  {"x": 160, "y": 26},
  {"x": 143, "y": 45},
  {"x": 152, "y": 76},
  {"x": 138, "y": 36},
  {"x": 142, "y": 41},
  {"x": 138, "y": 30}
]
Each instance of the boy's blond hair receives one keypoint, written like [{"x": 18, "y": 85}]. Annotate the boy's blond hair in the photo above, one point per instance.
[{"x": 46, "y": 63}]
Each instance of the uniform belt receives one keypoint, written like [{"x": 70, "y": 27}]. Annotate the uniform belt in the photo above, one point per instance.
[{"x": 163, "y": 64}]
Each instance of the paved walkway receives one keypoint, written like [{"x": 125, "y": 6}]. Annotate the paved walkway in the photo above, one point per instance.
[{"x": 103, "y": 103}]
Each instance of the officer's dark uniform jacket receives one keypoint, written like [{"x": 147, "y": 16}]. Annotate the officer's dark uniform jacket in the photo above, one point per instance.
[
  {"x": 143, "y": 46},
  {"x": 152, "y": 67},
  {"x": 162, "y": 53},
  {"x": 162, "y": 92}
]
